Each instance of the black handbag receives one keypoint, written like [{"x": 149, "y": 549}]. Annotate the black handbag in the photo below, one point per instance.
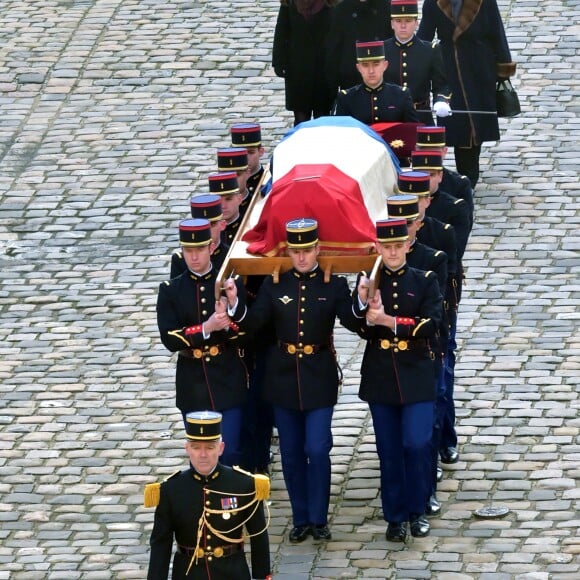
[{"x": 506, "y": 99}]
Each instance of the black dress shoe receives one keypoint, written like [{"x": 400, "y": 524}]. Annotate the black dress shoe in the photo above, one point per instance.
[
  {"x": 439, "y": 473},
  {"x": 299, "y": 533},
  {"x": 321, "y": 532},
  {"x": 449, "y": 455},
  {"x": 397, "y": 532},
  {"x": 433, "y": 507},
  {"x": 419, "y": 526}
]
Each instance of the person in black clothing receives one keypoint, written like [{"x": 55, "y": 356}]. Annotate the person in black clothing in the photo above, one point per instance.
[
  {"x": 374, "y": 101},
  {"x": 353, "y": 21},
  {"x": 205, "y": 510},
  {"x": 398, "y": 377},
  {"x": 249, "y": 136},
  {"x": 476, "y": 55},
  {"x": 298, "y": 56},
  {"x": 225, "y": 184},
  {"x": 432, "y": 137},
  {"x": 302, "y": 375},
  {"x": 415, "y": 64},
  {"x": 210, "y": 372},
  {"x": 208, "y": 207},
  {"x": 236, "y": 159}
]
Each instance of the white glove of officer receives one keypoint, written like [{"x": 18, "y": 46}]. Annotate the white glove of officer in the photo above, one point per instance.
[{"x": 442, "y": 109}]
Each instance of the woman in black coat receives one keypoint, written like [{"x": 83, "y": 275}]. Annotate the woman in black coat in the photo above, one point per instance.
[
  {"x": 299, "y": 56},
  {"x": 476, "y": 54}
]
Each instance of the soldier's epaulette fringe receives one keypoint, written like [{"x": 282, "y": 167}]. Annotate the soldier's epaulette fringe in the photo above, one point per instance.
[
  {"x": 261, "y": 483},
  {"x": 152, "y": 493}
]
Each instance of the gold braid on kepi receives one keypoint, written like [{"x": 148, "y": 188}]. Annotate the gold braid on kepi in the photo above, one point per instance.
[
  {"x": 261, "y": 493},
  {"x": 152, "y": 492}
]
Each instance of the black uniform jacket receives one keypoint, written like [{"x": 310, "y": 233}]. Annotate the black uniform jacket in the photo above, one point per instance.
[
  {"x": 387, "y": 103},
  {"x": 451, "y": 210},
  {"x": 303, "y": 309},
  {"x": 254, "y": 181},
  {"x": 399, "y": 376},
  {"x": 206, "y": 378},
  {"x": 417, "y": 65},
  {"x": 178, "y": 265},
  {"x": 458, "y": 186},
  {"x": 183, "y": 497}
]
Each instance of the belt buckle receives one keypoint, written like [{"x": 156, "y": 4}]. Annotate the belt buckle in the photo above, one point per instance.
[
  {"x": 403, "y": 345},
  {"x": 291, "y": 349},
  {"x": 218, "y": 552},
  {"x": 214, "y": 350},
  {"x": 385, "y": 344},
  {"x": 197, "y": 353},
  {"x": 308, "y": 349}
]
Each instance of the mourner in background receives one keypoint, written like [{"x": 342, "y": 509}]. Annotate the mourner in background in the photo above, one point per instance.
[
  {"x": 398, "y": 377},
  {"x": 476, "y": 55},
  {"x": 210, "y": 372},
  {"x": 209, "y": 510},
  {"x": 298, "y": 56},
  {"x": 374, "y": 101},
  {"x": 415, "y": 64},
  {"x": 353, "y": 21},
  {"x": 207, "y": 207},
  {"x": 302, "y": 375}
]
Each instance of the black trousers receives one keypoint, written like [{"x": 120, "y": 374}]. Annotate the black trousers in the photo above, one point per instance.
[{"x": 467, "y": 162}]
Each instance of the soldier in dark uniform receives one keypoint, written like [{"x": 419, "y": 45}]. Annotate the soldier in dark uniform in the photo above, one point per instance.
[
  {"x": 225, "y": 184},
  {"x": 207, "y": 207},
  {"x": 433, "y": 138},
  {"x": 414, "y": 64},
  {"x": 454, "y": 211},
  {"x": 398, "y": 379},
  {"x": 423, "y": 257},
  {"x": 440, "y": 236},
  {"x": 374, "y": 101},
  {"x": 249, "y": 135},
  {"x": 210, "y": 372},
  {"x": 353, "y": 21},
  {"x": 302, "y": 377},
  {"x": 236, "y": 159},
  {"x": 258, "y": 422},
  {"x": 206, "y": 510}
]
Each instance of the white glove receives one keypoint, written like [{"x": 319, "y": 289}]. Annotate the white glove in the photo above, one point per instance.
[{"x": 442, "y": 109}]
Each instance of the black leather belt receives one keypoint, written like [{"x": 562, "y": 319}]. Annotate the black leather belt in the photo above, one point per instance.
[
  {"x": 300, "y": 348},
  {"x": 217, "y": 552}
]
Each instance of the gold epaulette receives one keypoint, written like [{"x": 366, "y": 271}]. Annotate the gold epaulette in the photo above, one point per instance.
[
  {"x": 261, "y": 483},
  {"x": 152, "y": 493}
]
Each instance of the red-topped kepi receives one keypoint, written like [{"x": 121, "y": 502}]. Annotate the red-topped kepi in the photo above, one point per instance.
[{"x": 246, "y": 135}]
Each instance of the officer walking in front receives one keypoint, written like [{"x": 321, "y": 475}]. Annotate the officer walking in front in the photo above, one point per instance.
[
  {"x": 302, "y": 375},
  {"x": 374, "y": 101},
  {"x": 206, "y": 509},
  {"x": 398, "y": 379},
  {"x": 415, "y": 64},
  {"x": 210, "y": 372}
]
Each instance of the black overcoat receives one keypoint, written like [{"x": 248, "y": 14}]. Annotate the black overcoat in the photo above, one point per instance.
[
  {"x": 182, "y": 499},
  {"x": 299, "y": 50},
  {"x": 475, "y": 53}
]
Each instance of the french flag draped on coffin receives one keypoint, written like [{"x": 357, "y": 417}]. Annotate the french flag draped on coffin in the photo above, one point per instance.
[{"x": 335, "y": 170}]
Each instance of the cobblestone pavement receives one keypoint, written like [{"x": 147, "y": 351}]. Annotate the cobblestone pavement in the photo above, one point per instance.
[{"x": 110, "y": 114}]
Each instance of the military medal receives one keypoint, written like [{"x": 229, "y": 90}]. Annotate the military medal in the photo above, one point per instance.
[{"x": 226, "y": 515}]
